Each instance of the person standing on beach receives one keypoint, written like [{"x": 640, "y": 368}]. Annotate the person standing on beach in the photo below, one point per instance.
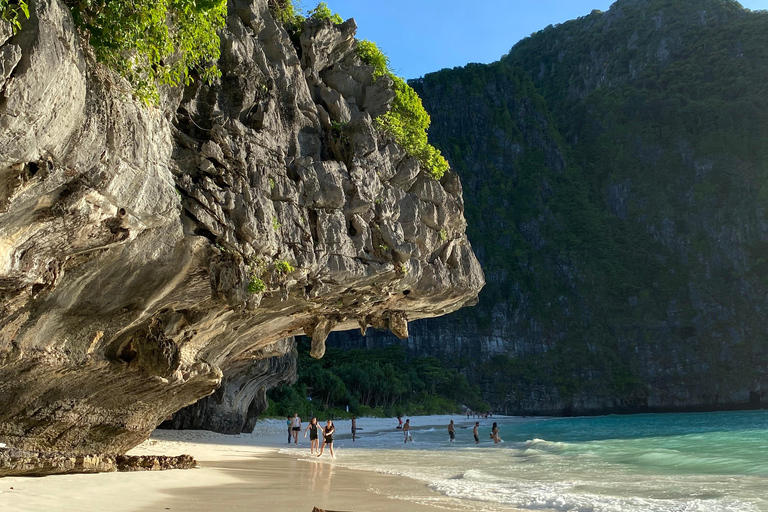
[
  {"x": 288, "y": 422},
  {"x": 451, "y": 431},
  {"x": 296, "y": 427},
  {"x": 407, "y": 431},
  {"x": 354, "y": 428},
  {"x": 476, "y": 433},
  {"x": 313, "y": 441},
  {"x": 328, "y": 438}
]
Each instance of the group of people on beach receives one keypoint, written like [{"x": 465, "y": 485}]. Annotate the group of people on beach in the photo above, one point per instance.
[
  {"x": 481, "y": 415},
  {"x": 476, "y": 432},
  {"x": 314, "y": 430},
  {"x": 406, "y": 428}
]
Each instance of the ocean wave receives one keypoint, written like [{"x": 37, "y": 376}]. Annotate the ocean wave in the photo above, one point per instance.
[{"x": 564, "y": 496}]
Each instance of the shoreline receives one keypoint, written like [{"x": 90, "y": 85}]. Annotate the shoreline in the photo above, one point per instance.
[
  {"x": 281, "y": 482},
  {"x": 243, "y": 472}
]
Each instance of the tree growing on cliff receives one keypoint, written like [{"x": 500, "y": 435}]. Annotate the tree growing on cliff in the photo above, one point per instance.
[{"x": 154, "y": 42}]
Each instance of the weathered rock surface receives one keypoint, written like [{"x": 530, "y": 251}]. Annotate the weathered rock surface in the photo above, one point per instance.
[
  {"x": 23, "y": 463},
  {"x": 242, "y": 396},
  {"x": 129, "y": 235}
]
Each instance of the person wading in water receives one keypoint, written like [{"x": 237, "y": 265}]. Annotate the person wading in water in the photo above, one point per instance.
[
  {"x": 313, "y": 441},
  {"x": 328, "y": 438}
]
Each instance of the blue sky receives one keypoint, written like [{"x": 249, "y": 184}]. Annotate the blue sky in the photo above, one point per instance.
[{"x": 427, "y": 35}]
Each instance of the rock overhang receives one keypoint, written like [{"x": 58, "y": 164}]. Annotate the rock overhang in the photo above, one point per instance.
[{"x": 132, "y": 239}]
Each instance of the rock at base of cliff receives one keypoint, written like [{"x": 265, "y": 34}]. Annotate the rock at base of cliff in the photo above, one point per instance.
[{"x": 24, "y": 463}]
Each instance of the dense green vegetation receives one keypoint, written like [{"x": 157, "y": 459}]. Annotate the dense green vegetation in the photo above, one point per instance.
[
  {"x": 376, "y": 382},
  {"x": 407, "y": 121},
  {"x": 154, "y": 42},
  {"x": 705, "y": 90},
  {"x": 12, "y": 12},
  {"x": 533, "y": 223}
]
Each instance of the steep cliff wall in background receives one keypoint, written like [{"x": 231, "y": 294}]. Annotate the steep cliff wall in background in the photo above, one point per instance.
[
  {"x": 615, "y": 175},
  {"x": 148, "y": 253}
]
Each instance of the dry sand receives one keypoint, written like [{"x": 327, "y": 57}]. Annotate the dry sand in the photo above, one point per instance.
[{"x": 237, "y": 473}]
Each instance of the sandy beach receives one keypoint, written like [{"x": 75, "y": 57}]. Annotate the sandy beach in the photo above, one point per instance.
[{"x": 237, "y": 473}]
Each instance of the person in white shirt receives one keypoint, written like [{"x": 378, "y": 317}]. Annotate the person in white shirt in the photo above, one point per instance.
[{"x": 296, "y": 427}]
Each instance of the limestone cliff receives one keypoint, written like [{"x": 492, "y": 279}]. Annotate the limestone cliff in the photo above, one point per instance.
[
  {"x": 129, "y": 235},
  {"x": 614, "y": 174}
]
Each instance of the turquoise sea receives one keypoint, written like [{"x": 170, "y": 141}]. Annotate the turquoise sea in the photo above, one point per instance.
[{"x": 703, "y": 462}]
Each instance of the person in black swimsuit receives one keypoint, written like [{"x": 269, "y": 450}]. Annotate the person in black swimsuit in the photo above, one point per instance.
[
  {"x": 313, "y": 441},
  {"x": 328, "y": 438}
]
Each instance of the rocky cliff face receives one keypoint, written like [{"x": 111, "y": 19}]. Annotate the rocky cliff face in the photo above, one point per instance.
[
  {"x": 235, "y": 406},
  {"x": 617, "y": 164},
  {"x": 129, "y": 235}
]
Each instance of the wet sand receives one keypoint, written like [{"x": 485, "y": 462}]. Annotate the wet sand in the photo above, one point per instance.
[{"x": 281, "y": 483}]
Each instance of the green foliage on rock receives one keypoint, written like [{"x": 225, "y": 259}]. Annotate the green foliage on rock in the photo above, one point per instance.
[
  {"x": 256, "y": 285},
  {"x": 289, "y": 15},
  {"x": 12, "y": 11},
  {"x": 372, "y": 55},
  {"x": 154, "y": 42},
  {"x": 284, "y": 11},
  {"x": 373, "y": 382},
  {"x": 407, "y": 121},
  {"x": 283, "y": 267},
  {"x": 323, "y": 12}
]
